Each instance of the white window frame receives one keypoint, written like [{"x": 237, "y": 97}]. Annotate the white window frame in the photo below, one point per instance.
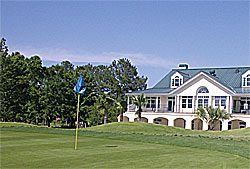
[
  {"x": 174, "y": 78},
  {"x": 246, "y": 79},
  {"x": 150, "y": 99},
  {"x": 222, "y": 101},
  {"x": 203, "y": 96},
  {"x": 187, "y": 101}
]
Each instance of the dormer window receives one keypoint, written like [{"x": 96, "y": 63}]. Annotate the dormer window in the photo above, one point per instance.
[
  {"x": 176, "y": 80},
  {"x": 246, "y": 79}
]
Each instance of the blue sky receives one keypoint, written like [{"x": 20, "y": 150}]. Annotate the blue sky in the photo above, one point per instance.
[{"x": 155, "y": 36}]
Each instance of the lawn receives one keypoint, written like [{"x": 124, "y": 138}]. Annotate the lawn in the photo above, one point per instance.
[{"x": 39, "y": 147}]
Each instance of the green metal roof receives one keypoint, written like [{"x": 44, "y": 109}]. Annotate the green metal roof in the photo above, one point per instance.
[{"x": 229, "y": 77}]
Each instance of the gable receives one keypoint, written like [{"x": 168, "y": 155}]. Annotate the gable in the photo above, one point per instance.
[
  {"x": 202, "y": 80},
  {"x": 176, "y": 80},
  {"x": 245, "y": 79}
]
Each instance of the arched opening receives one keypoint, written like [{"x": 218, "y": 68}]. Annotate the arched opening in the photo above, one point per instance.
[
  {"x": 161, "y": 120},
  {"x": 180, "y": 122},
  {"x": 143, "y": 119},
  {"x": 236, "y": 124},
  {"x": 197, "y": 124},
  {"x": 125, "y": 119},
  {"x": 217, "y": 126}
]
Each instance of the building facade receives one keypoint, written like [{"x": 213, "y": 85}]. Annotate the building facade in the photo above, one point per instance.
[{"x": 174, "y": 100}]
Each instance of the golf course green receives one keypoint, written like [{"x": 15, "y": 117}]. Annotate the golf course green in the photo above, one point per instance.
[{"x": 122, "y": 145}]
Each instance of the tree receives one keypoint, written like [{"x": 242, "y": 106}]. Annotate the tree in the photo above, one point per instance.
[
  {"x": 103, "y": 105},
  {"x": 212, "y": 116},
  {"x": 35, "y": 77},
  {"x": 125, "y": 78},
  {"x": 140, "y": 101},
  {"x": 121, "y": 106}
]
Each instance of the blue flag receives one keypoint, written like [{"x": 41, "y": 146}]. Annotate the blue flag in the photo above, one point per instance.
[{"x": 80, "y": 86}]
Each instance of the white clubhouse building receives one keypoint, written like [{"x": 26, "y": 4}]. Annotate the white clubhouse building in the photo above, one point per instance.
[{"x": 173, "y": 101}]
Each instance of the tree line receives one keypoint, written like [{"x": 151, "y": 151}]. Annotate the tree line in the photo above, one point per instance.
[{"x": 33, "y": 93}]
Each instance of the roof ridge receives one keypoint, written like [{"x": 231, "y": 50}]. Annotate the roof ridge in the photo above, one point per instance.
[{"x": 207, "y": 68}]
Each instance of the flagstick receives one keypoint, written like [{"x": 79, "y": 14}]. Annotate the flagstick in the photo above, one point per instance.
[{"x": 77, "y": 120}]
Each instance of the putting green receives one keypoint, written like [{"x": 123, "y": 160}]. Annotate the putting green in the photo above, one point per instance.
[{"x": 21, "y": 149}]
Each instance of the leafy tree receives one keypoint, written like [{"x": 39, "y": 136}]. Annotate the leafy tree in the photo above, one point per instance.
[
  {"x": 35, "y": 77},
  {"x": 212, "y": 116},
  {"x": 4, "y": 61},
  {"x": 125, "y": 78},
  {"x": 33, "y": 93},
  {"x": 50, "y": 99},
  {"x": 15, "y": 83},
  {"x": 140, "y": 101}
]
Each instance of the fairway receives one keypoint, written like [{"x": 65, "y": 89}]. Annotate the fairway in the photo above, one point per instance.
[{"x": 25, "y": 148}]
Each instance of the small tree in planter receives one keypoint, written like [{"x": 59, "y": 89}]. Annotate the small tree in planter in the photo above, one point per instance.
[{"x": 212, "y": 116}]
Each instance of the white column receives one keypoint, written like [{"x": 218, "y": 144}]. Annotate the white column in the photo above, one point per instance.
[
  {"x": 212, "y": 101},
  {"x": 247, "y": 123},
  {"x": 231, "y": 104},
  {"x": 188, "y": 124},
  {"x": 204, "y": 126},
  {"x": 228, "y": 104},
  {"x": 131, "y": 119},
  {"x": 176, "y": 103},
  {"x": 225, "y": 125},
  {"x": 128, "y": 104},
  {"x": 170, "y": 122},
  {"x": 194, "y": 103},
  {"x": 150, "y": 120},
  {"x": 156, "y": 106},
  {"x": 179, "y": 104}
]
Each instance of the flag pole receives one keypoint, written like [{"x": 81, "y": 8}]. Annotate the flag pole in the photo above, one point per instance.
[{"x": 77, "y": 120}]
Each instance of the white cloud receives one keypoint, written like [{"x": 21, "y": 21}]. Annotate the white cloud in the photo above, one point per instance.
[{"x": 58, "y": 55}]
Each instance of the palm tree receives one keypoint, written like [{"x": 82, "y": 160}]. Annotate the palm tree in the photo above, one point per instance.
[
  {"x": 140, "y": 101},
  {"x": 121, "y": 105},
  {"x": 212, "y": 116},
  {"x": 103, "y": 104}
]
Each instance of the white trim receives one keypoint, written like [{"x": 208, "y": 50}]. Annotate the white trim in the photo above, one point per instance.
[
  {"x": 242, "y": 79},
  {"x": 197, "y": 76},
  {"x": 147, "y": 94},
  {"x": 173, "y": 77}
]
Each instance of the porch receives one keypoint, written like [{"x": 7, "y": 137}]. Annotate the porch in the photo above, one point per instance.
[{"x": 189, "y": 104}]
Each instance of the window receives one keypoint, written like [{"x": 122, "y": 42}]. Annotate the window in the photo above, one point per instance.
[
  {"x": 242, "y": 124},
  {"x": 217, "y": 100},
  {"x": 244, "y": 81},
  {"x": 203, "y": 101},
  {"x": 159, "y": 102},
  {"x": 230, "y": 125},
  {"x": 152, "y": 102},
  {"x": 223, "y": 101},
  {"x": 245, "y": 103},
  {"x": 248, "y": 80},
  {"x": 187, "y": 101},
  {"x": 176, "y": 80},
  {"x": 203, "y": 90},
  {"x": 220, "y": 101}
]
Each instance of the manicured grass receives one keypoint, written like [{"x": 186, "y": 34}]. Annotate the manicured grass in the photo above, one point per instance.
[
  {"x": 39, "y": 147},
  {"x": 147, "y": 128},
  {"x": 10, "y": 124},
  {"x": 22, "y": 149}
]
